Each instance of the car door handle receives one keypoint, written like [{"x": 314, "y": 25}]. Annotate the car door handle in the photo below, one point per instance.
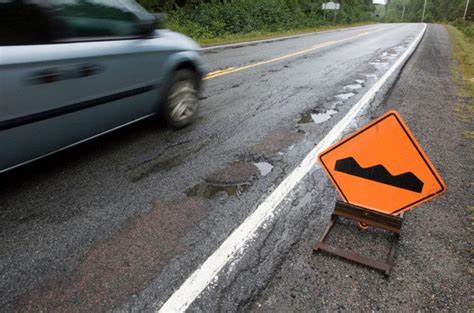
[
  {"x": 89, "y": 69},
  {"x": 46, "y": 76},
  {"x": 52, "y": 75}
]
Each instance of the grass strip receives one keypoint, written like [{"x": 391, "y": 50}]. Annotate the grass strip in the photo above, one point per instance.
[
  {"x": 463, "y": 74},
  {"x": 261, "y": 35}
]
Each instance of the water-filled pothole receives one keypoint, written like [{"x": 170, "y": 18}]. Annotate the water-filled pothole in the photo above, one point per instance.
[
  {"x": 264, "y": 167},
  {"x": 345, "y": 96},
  {"x": 209, "y": 191},
  {"x": 379, "y": 65},
  {"x": 371, "y": 76},
  {"x": 353, "y": 86},
  {"x": 317, "y": 117}
]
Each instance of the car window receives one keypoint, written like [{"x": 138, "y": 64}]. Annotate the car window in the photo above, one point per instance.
[
  {"x": 23, "y": 23},
  {"x": 82, "y": 19}
]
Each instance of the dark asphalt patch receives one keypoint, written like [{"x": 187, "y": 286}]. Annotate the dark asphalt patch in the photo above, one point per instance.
[
  {"x": 233, "y": 180},
  {"x": 237, "y": 173},
  {"x": 274, "y": 143},
  {"x": 238, "y": 177},
  {"x": 167, "y": 159},
  {"x": 114, "y": 269},
  {"x": 305, "y": 118},
  {"x": 209, "y": 191}
]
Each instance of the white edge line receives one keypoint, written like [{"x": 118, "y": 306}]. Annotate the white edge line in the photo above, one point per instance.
[
  {"x": 252, "y": 42},
  {"x": 203, "y": 276}
]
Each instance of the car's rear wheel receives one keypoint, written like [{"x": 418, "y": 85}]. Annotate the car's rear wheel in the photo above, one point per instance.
[{"x": 182, "y": 102}]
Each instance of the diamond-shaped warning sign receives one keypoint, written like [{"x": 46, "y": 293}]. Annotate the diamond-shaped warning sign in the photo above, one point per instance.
[{"x": 382, "y": 167}]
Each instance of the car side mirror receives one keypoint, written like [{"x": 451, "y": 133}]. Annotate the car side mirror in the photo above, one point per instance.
[
  {"x": 160, "y": 20},
  {"x": 152, "y": 22}
]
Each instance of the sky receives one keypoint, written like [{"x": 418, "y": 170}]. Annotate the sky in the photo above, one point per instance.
[{"x": 380, "y": 1}]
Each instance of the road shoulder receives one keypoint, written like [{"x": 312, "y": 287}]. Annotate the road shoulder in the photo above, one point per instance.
[{"x": 432, "y": 264}]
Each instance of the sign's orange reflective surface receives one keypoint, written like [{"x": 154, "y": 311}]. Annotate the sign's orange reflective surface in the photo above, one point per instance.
[{"x": 382, "y": 167}]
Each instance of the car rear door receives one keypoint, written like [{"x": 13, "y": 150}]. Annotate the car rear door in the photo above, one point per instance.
[{"x": 82, "y": 68}]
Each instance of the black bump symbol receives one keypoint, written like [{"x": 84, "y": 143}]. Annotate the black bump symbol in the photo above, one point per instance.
[{"x": 379, "y": 174}]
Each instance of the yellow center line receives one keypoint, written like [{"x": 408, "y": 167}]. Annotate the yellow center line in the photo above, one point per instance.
[
  {"x": 230, "y": 70},
  {"x": 220, "y": 71}
]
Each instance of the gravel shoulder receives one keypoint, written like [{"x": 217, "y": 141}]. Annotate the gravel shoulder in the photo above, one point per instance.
[{"x": 435, "y": 252}]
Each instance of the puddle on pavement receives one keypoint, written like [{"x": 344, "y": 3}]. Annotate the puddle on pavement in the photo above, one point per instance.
[
  {"x": 352, "y": 87},
  {"x": 233, "y": 180},
  {"x": 209, "y": 191},
  {"x": 390, "y": 54},
  {"x": 317, "y": 118},
  {"x": 399, "y": 48},
  {"x": 345, "y": 96},
  {"x": 264, "y": 167},
  {"x": 371, "y": 76},
  {"x": 379, "y": 65}
]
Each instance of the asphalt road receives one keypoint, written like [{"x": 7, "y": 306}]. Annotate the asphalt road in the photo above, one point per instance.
[{"x": 121, "y": 222}]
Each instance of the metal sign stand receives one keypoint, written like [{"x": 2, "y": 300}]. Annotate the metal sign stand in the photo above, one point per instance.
[{"x": 365, "y": 216}]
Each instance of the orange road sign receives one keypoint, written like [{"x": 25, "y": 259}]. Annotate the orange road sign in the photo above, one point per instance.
[{"x": 382, "y": 167}]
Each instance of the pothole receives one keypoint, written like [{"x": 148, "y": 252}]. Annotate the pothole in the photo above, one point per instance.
[
  {"x": 274, "y": 143},
  {"x": 210, "y": 191},
  {"x": 235, "y": 174},
  {"x": 353, "y": 87},
  {"x": 371, "y": 76},
  {"x": 264, "y": 167},
  {"x": 399, "y": 48},
  {"x": 389, "y": 56},
  {"x": 345, "y": 96},
  {"x": 317, "y": 117},
  {"x": 233, "y": 180},
  {"x": 379, "y": 65}
]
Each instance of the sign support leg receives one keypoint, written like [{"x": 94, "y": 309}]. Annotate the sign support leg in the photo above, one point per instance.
[{"x": 386, "y": 222}]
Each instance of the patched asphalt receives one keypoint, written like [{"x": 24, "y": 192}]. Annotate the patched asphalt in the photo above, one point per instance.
[{"x": 120, "y": 222}]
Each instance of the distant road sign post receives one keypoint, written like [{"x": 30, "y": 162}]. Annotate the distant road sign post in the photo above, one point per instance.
[
  {"x": 380, "y": 171},
  {"x": 331, "y": 6}
]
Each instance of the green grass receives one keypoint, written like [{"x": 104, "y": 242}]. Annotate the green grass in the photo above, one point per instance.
[
  {"x": 463, "y": 74},
  {"x": 236, "y": 38},
  {"x": 463, "y": 52}
]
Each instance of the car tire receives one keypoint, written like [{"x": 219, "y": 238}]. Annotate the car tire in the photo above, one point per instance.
[{"x": 182, "y": 101}]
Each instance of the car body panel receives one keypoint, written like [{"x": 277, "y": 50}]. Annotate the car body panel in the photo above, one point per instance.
[{"x": 57, "y": 95}]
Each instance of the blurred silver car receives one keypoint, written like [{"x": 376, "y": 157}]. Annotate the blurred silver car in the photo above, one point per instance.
[{"x": 71, "y": 70}]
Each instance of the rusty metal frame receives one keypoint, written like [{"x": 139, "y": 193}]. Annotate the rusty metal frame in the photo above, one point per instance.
[{"x": 390, "y": 223}]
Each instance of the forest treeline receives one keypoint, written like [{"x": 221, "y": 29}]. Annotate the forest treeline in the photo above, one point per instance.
[
  {"x": 213, "y": 18},
  {"x": 436, "y": 10},
  {"x": 203, "y": 19},
  {"x": 440, "y": 11}
]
